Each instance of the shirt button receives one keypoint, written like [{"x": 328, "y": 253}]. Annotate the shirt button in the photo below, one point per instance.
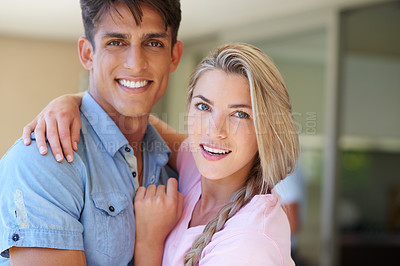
[
  {"x": 134, "y": 174},
  {"x": 15, "y": 237},
  {"x": 111, "y": 208},
  {"x": 127, "y": 149}
]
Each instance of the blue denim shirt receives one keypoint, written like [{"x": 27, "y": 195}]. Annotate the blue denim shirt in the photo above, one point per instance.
[{"x": 84, "y": 205}]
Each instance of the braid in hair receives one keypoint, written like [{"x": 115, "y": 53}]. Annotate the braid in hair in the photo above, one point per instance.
[{"x": 239, "y": 199}]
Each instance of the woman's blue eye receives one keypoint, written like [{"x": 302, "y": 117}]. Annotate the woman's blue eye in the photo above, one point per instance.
[
  {"x": 242, "y": 114},
  {"x": 203, "y": 107}
]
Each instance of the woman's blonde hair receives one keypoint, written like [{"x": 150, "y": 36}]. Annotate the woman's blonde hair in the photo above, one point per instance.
[{"x": 275, "y": 129}]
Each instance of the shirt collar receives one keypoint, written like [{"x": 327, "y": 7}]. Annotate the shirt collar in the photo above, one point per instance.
[
  {"x": 105, "y": 128},
  {"x": 155, "y": 146},
  {"x": 113, "y": 139}
]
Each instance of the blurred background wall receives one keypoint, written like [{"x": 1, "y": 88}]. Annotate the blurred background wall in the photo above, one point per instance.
[
  {"x": 32, "y": 73},
  {"x": 341, "y": 62}
]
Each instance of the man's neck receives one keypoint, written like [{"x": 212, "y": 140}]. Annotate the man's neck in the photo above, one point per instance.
[{"x": 133, "y": 128}]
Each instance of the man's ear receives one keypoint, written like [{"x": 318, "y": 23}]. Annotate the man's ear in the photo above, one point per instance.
[
  {"x": 176, "y": 56},
  {"x": 85, "y": 51}
]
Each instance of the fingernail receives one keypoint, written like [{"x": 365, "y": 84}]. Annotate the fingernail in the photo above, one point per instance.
[
  {"x": 58, "y": 157},
  {"x": 26, "y": 141},
  {"x": 69, "y": 158},
  {"x": 75, "y": 145},
  {"x": 42, "y": 150}
]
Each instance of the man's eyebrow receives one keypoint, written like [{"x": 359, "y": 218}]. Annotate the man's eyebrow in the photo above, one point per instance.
[
  {"x": 116, "y": 35},
  {"x": 204, "y": 99},
  {"x": 155, "y": 35},
  {"x": 162, "y": 35}
]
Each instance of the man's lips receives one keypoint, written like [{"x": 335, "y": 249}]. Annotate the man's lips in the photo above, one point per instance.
[{"x": 131, "y": 84}]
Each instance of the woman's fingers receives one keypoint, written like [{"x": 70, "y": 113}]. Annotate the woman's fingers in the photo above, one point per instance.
[
  {"x": 75, "y": 133},
  {"x": 172, "y": 187},
  {"x": 53, "y": 139},
  {"x": 40, "y": 131},
  {"x": 160, "y": 192},
  {"x": 60, "y": 123},
  {"x": 65, "y": 139},
  {"x": 28, "y": 129}
]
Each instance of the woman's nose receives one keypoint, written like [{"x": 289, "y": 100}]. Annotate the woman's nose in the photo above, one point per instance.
[{"x": 217, "y": 126}]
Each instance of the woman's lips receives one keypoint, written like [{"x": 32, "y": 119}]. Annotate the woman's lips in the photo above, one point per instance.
[{"x": 213, "y": 154}]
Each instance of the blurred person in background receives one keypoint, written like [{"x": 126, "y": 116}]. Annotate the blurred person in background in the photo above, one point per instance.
[{"x": 292, "y": 192}]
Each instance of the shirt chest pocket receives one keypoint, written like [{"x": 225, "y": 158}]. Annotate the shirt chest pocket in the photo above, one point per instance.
[{"x": 112, "y": 223}]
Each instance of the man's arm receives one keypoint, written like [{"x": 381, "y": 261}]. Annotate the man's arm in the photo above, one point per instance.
[
  {"x": 39, "y": 195},
  {"x": 46, "y": 256}
]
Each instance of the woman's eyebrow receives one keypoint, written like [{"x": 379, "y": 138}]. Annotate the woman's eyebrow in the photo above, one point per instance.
[
  {"x": 230, "y": 106},
  {"x": 240, "y": 106},
  {"x": 204, "y": 99}
]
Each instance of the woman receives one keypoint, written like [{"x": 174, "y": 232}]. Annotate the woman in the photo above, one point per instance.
[{"x": 241, "y": 142}]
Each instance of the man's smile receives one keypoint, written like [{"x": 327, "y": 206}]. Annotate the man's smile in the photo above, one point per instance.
[{"x": 133, "y": 84}]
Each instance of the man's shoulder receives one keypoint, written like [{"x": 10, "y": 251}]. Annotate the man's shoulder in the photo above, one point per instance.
[
  {"x": 41, "y": 200},
  {"x": 25, "y": 162},
  {"x": 20, "y": 154}
]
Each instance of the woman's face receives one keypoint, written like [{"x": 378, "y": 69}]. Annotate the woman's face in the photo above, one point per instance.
[{"x": 220, "y": 126}]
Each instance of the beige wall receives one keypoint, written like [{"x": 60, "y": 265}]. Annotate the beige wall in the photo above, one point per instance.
[{"x": 32, "y": 72}]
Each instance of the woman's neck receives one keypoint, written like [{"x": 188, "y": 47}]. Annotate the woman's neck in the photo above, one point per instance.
[{"x": 214, "y": 195}]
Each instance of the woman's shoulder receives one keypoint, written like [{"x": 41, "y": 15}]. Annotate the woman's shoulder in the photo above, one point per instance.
[
  {"x": 262, "y": 218},
  {"x": 246, "y": 248},
  {"x": 258, "y": 232},
  {"x": 262, "y": 214},
  {"x": 187, "y": 169}
]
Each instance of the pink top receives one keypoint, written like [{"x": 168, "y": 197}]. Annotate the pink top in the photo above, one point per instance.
[{"x": 259, "y": 234}]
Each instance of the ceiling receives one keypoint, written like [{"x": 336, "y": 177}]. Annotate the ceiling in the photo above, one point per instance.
[{"x": 60, "y": 19}]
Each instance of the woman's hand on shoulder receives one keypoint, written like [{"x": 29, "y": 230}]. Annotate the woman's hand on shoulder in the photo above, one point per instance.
[{"x": 60, "y": 122}]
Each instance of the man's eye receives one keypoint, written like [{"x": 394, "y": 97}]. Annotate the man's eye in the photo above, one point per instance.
[
  {"x": 115, "y": 43},
  {"x": 241, "y": 114},
  {"x": 203, "y": 107},
  {"x": 155, "y": 44}
]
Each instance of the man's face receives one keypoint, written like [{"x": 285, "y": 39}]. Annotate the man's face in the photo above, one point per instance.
[{"x": 130, "y": 64}]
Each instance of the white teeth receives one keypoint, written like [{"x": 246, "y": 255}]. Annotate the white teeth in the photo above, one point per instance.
[
  {"x": 212, "y": 150},
  {"x": 133, "y": 84}
]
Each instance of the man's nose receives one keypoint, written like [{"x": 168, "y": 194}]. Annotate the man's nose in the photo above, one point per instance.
[{"x": 135, "y": 58}]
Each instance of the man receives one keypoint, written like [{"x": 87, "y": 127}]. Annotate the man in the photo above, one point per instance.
[{"x": 72, "y": 213}]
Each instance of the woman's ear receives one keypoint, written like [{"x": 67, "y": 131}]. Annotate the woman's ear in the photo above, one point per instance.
[{"x": 85, "y": 51}]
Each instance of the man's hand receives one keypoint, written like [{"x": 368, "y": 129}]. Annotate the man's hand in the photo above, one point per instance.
[
  {"x": 157, "y": 210},
  {"x": 60, "y": 122}
]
